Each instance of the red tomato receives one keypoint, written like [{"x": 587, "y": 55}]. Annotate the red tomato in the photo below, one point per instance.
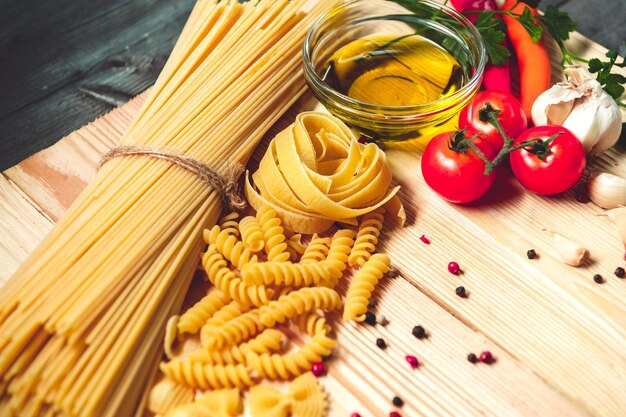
[
  {"x": 511, "y": 117},
  {"x": 558, "y": 171},
  {"x": 456, "y": 176}
]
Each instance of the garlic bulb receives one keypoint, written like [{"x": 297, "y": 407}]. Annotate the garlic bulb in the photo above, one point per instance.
[
  {"x": 607, "y": 190},
  {"x": 583, "y": 107}
]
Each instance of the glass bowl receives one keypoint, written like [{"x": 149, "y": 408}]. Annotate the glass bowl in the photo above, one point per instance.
[{"x": 360, "y": 18}]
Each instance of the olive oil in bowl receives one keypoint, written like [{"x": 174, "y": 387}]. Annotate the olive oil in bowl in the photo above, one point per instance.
[{"x": 393, "y": 70}]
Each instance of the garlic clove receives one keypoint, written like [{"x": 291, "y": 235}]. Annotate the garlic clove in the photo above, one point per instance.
[
  {"x": 609, "y": 118},
  {"x": 583, "y": 123},
  {"x": 570, "y": 252},
  {"x": 554, "y": 105},
  {"x": 618, "y": 215},
  {"x": 607, "y": 190}
]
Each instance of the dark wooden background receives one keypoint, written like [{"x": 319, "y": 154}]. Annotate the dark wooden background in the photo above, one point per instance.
[{"x": 65, "y": 62}]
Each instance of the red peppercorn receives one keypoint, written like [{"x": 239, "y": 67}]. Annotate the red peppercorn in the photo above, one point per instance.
[
  {"x": 412, "y": 360},
  {"x": 486, "y": 357},
  {"x": 363, "y": 139},
  {"x": 424, "y": 239},
  {"x": 355, "y": 415},
  {"x": 395, "y": 414},
  {"x": 454, "y": 268},
  {"x": 318, "y": 369}
]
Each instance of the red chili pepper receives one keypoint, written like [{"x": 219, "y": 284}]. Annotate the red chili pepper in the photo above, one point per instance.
[
  {"x": 494, "y": 78},
  {"x": 532, "y": 58}
]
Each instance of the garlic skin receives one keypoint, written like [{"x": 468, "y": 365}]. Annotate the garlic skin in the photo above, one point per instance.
[
  {"x": 583, "y": 107},
  {"x": 607, "y": 190},
  {"x": 569, "y": 251}
]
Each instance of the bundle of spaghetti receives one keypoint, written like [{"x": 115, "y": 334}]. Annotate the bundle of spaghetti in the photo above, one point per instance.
[{"x": 84, "y": 313}]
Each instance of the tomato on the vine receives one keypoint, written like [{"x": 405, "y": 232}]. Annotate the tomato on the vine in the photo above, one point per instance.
[
  {"x": 552, "y": 165},
  {"x": 454, "y": 170},
  {"x": 511, "y": 117}
]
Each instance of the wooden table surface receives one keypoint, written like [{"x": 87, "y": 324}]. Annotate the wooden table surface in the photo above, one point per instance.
[
  {"x": 66, "y": 62},
  {"x": 559, "y": 338}
]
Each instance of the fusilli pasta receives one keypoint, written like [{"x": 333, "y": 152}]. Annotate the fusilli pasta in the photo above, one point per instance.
[
  {"x": 233, "y": 331},
  {"x": 230, "y": 222},
  {"x": 338, "y": 253},
  {"x": 363, "y": 285},
  {"x": 316, "y": 250},
  {"x": 367, "y": 237},
  {"x": 270, "y": 340},
  {"x": 197, "y": 375},
  {"x": 298, "y": 302},
  {"x": 251, "y": 233},
  {"x": 313, "y": 324},
  {"x": 275, "y": 366},
  {"x": 285, "y": 273},
  {"x": 230, "y": 284},
  {"x": 196, "y": 316},
  {"x": 228, "y": 245},
  {"x": 273, "y": 234}
]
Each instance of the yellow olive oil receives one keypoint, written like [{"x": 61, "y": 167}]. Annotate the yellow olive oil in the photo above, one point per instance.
[{"x": 393, "y": 70}]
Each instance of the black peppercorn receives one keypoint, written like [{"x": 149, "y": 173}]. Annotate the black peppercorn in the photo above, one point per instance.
[
  {"x": 472, "y": 358},
  {"x": 598, "y": 278},
  {"x": 619, "y": 272},
  {"x": 370, "y": 318},
  {"x": 381, "y": 343},
  {"x": 419, "y": 332},
  {"x": 392, "y": 273},
  {"x": 531, "y": 254},
  {"x": 460, "y": 291},
  {"x": 397, "y": 401}
]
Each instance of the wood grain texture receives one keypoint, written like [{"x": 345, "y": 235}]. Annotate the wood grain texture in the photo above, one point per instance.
[
  {"x": 66, "y": 62},
  {"x": 361, "y": 377}
]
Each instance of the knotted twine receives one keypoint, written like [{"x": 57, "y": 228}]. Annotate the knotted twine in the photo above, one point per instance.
[{"x": 225, "y": 185}]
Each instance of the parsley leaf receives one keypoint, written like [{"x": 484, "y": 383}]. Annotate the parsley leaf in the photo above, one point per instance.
[
  {"x": 595, "y": 65},
  {"x": 492, "y": 31},
  {"x": 527, "y": 19},
  {"x": 614, "y": 90},
  {"x": 558, "y": 23}
]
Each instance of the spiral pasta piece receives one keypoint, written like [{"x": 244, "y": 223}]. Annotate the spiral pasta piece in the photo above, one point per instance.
[
  {"x": 316, "y": 250},
  {"x": 228, "y": 245},
  {"x": 166, "y": 395},
  {"x": 228, "y": 312},
  {"x": 270, "y": 340},
  {"x": 230, "y": 284},
  {"x": 219, "y": 403},
  {"x": 197, "y": 375},
  {"x": 196, "y": 316},
  {"x": 233, "y": 331},
  {"x": 285, "y": 273},
  {"x": 363, "y": 285},
  {"x": 367, "y": 237},
  {"x": 295, "y": 247},
  {"x": 338, "y": 254},
  {"x": 273, "y": 235},
  {"x": 275, "y": 366},
  {"x": 299, "y": 302},
  {"x": 251, "y": 233},
  {"x": 313, "y": 324},
  {"x": 230, "y": 222}
]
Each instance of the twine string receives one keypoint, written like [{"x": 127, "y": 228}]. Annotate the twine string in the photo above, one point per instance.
[{"x": 225, "y": 185}]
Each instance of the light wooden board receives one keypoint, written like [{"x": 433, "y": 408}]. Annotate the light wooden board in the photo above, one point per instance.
[{"x": 558, "y": 337}]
